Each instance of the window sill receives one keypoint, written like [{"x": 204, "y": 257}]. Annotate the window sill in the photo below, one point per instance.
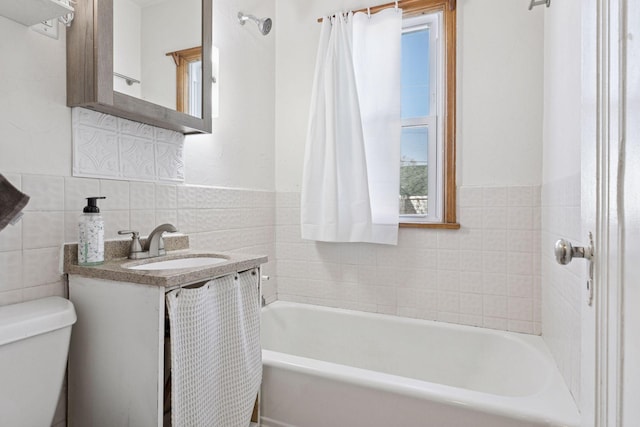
[{"x": 437, "y": 225}]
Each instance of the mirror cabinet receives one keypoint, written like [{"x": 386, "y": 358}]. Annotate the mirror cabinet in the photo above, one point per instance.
[{"x": 99, "y": 76}]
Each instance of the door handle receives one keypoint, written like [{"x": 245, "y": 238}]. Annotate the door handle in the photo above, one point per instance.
[{"x": 565, "y": 252}]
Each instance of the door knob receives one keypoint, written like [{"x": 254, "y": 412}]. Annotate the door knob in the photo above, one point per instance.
[{"x": 565, "y": 252}]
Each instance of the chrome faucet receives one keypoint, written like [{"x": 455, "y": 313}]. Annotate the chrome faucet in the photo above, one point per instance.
[
  {"x": 153, "y": 247},
  {"x": 154, "y": 244}
]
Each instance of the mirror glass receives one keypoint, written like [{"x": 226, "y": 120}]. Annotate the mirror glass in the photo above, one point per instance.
[{"x": 157, "y": 51}]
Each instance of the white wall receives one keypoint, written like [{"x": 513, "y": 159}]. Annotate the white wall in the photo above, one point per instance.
[
  {"x": 562, "y": 286},
  {"x": 35, "y": 124},
  {"x": 562, "y": 91},
  {"x": 240, "y": 152},
  {"x": 500, "y": 50},
  {"x": 500, "y": 55}
]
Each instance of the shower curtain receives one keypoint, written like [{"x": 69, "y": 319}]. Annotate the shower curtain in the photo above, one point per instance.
[{"x": 351, "y": 171}]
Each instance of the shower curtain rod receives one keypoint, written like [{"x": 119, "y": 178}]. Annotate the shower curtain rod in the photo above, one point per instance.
[{"x": 403, "y": 4}]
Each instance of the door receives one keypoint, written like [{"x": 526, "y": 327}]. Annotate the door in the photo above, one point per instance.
[
  {"x": 610, "y": 174},
  {"x": 631, "y": 232}
]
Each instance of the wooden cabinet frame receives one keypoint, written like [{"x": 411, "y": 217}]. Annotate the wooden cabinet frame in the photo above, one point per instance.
[{"x": 90, "y": 71}]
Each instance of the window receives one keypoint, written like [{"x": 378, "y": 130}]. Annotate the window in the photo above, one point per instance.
[
  {"x": 421, "y": 160},
  {"x": 427, "y": 169},
  {"x": 188, "y": 80}
]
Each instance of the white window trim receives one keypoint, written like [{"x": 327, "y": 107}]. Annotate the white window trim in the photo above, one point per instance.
[{"x": 434, "y": 122}]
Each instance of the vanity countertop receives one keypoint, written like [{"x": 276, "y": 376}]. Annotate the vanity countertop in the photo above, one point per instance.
[{"x": 116, "y": 263}]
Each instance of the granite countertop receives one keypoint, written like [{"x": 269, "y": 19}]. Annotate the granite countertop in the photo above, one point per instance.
[{"x": 116, "y": 263}]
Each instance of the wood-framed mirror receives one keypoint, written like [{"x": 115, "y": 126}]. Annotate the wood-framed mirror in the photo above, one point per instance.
[{"x": 93, "y": 81}]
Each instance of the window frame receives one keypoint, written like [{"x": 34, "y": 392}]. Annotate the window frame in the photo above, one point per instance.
[
  {"x": 182, "y": 59},
  {"x": 410, "y": 9}
]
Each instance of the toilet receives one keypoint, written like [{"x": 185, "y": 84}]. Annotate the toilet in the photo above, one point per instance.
[{"x": 34, "y": 342}]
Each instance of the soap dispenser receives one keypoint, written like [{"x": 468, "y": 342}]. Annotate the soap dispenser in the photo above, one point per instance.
[{"x": 91, "y": 234}]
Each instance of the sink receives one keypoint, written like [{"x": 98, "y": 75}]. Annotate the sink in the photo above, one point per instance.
[{"x": 171, "y": 264}]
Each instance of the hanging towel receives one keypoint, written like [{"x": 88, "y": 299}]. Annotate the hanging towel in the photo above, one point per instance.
[
  {"x": 216, "y": 358},
  {"x": 12, "y": 201}
]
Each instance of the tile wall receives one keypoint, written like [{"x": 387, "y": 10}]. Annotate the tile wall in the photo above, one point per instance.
[
  {"x": 485, "y": 274},
  {"x": 562, "y": 285},
  {"x": 222, "y": 219}
]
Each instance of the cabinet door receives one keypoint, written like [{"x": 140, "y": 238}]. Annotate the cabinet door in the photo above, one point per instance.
[{"x": 116, "y": 356}]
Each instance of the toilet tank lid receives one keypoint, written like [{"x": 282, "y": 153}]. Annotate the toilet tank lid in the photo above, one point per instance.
[{"x": 27, "y": 319}]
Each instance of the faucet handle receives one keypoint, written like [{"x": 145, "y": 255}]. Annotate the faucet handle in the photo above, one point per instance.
[
  {"x": 136, "y": 247},
  {"x": 135, "y": 234}
]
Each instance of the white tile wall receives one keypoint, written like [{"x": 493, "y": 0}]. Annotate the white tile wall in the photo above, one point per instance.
[
  {"x": 242, "y": 221},
  {"x": 116, "y": 148},
  {"x": 562, "y": 285},
  {"x": 483, "y": 274}
]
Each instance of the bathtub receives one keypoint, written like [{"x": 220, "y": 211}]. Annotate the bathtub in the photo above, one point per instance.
[{"x": 326, "y": 367}]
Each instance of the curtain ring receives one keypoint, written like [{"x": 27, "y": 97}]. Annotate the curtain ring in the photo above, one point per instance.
[
  {"x": 369, "y": 12},
  {"x": 396, "y": 4}
]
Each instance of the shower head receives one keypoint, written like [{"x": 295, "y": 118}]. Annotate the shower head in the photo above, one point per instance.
[{"x": 264, "y": 25}]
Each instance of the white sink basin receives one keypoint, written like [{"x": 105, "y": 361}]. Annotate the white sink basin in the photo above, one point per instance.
[{"x": 179, "y": 263}]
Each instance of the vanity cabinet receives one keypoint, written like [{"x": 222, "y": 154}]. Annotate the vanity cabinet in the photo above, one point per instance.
[{"x": 117, "y": 371}]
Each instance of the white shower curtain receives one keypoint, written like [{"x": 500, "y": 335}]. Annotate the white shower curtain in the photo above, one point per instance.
[{"x": 351, "y": 168}]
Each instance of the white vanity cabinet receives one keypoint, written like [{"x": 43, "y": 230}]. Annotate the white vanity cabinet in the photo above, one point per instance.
[{"x": 117, "y": 353}]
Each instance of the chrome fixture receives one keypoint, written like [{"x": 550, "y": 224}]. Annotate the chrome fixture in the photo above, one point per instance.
[
  {"x": 565, "y": 252},
  {"x": 129, "y": 80},
  {"x": 154, "y": 245},
  {"x": 539, "y": 3},
  {"x": 135, "y": 250},
  {"x": 264, "y": 25}
]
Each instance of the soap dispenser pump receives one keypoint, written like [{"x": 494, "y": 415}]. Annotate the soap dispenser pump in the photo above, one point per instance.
[{"x": 91, "y": 234}]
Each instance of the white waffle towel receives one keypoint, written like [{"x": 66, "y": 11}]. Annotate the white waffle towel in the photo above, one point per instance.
[{"x": 216, "y": 359}]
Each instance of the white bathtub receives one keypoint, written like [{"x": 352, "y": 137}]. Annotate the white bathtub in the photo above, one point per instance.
[{"x": 326, "y": 367}]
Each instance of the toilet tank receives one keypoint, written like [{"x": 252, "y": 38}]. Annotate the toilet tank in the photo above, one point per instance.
[{"x": 34, "y": 342}]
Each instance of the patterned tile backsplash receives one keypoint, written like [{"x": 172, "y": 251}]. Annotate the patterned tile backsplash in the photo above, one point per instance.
[
  {"x": 485, "y": 274},
  {"x": 105, "y": 146}
]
